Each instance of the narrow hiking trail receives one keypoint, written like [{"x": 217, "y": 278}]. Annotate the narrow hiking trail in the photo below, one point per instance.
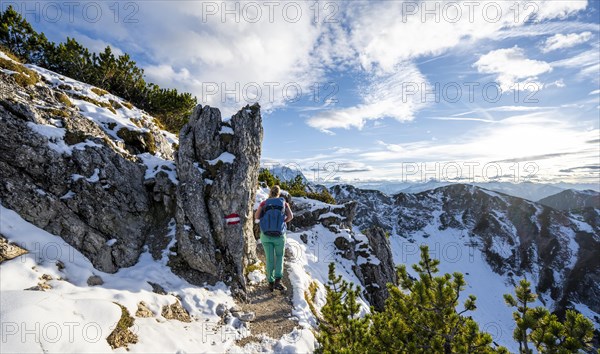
[{"x": 273, "y": 310}]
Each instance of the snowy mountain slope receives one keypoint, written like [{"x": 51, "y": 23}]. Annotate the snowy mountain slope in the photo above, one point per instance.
[
  {"x": 71, "y": 316},
  {"x": 526, "y": 190},
  {"x": 573, "y": 199},
  {"x": 495, "y": 240}
]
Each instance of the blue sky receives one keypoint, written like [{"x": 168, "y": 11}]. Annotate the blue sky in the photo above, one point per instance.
[{"x": 370, "y": 62}]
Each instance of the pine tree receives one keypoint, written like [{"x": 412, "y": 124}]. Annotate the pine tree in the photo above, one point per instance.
[
  {"x": 71, "y": 59},
  {"x": 341, "y": 330},
  {"x": 536, "y": 325},
  {"x": 419, "y": 317},
  {"x": 422, "y": 317},
  {"x": 264, "y": 175}
]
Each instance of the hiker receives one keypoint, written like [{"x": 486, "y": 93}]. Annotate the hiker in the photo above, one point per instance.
[{"x": 273, "y": 213}]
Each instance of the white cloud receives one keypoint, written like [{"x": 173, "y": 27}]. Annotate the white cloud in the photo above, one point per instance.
[
  {"x": 471, "y": 119},
  {"x": 385, "y": 96},
  {"x": 550, "y": 9},
  {"x": 561, "y": 41},
  {"x": 512, "y": 68},
  {"x": 558, "y": 83},
  {"x": 386, "y": 33},
  {"x": 182, "y": 46},
  {"x": 549, "y": 139},
  {"x": 586, "y": 61}
]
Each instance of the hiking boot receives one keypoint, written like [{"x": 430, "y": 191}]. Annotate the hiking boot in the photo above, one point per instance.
[
  {"x": 278, "y": 285},
  {"x": 271, "y": 287}
]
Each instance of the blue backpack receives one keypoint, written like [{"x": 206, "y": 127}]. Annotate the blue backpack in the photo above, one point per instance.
[{"x": 272, "y": 217}]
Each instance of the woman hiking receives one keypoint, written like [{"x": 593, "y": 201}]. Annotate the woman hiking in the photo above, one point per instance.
[{"x": 273, "y": 213}]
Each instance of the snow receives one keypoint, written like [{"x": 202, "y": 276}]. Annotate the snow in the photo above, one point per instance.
[
  {"x": 573, "y": 246},
  {"x": 261, "y": 194},
  {"x": 200, "y": 169},
  {"x": 55, "y": 136},
  {"x": 70, "y": 194},
  {"x": 310, "y": 263},
  {"x": 225, "y": 157},
  {"x": 589, "y": 313},
  {"x": 109, "y": 121},
  {"x": 331, "y": 215},
  {"x": 456, "y": 254},
  {"x": 92, "y": 179},
  {"x": 4, "y": 56},
  {"x": 155, "y": 164},
  {"x": 9, "y": 72},
  {"x": 371, "y": 260},
  {"x": 226, "y": 130},
  {"x": 74, "y": 317},
  {"x": 256, "y": 277},
  {"x": 582, "y": 226}
]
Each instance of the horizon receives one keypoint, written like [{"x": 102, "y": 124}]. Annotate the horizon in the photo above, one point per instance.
[{"x": 347, "y": 92}]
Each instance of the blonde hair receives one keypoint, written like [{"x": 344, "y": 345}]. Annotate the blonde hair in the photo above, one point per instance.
[{"x": 275, "y": 192}]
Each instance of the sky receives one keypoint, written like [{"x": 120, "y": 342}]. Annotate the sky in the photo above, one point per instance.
[{"x": 376, "y": 90}]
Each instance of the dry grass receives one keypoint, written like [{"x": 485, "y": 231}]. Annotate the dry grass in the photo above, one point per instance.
[
  {"x": 24, "y": 77},
  {"x": 122, "y": 336},
  {"x": 64, "y": 99},
  {"x": 309, "y": 296},
  {"x": 98, "y": 91}
]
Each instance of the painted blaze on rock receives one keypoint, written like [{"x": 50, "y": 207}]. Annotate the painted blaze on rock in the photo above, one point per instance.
[{"x": 217, "y": 165}]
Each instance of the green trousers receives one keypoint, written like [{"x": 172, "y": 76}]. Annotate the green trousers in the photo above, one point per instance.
[{"x": 274, "y": 251}]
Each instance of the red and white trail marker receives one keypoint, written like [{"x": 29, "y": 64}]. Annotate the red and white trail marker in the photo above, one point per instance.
[{"x": 232, "y": 219}]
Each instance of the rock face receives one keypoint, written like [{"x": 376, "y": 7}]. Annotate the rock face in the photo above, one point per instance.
[
  {"x": 67, "y": 174},
  {"x": 375, "y": 276},
  {"x": 560, "y": 250},
  {"x": 369, "y": 250},
  {"x": 217, "y": 164},
  {"x": 372, "y": 206}
]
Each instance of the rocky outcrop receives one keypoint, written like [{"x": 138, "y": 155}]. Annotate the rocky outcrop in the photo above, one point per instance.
[
  {"x": 369, "y": 251},
  {"x": 372, "y": 206},
  {"x": 217, "y": 164},
  {"x": 67, "y": 174},
  {"x": 87, "y": 166},
  {"x": 373, "y": 275},
  {"x": 309, "y": 212}
]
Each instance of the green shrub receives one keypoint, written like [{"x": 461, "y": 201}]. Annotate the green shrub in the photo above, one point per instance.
[
  {"x": 323, "y": 196},
  {"x": 421, "y": 316},
  {"x": 264, "y": 175}
]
